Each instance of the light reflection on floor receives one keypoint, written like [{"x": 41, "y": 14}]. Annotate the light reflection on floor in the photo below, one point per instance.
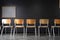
[{"x": 32, "y": 37}]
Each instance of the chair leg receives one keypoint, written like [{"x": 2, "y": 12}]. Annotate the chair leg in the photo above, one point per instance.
[
  {"x": 49, "y": 32},
  {"x": 14, "y": 32},
  {"x": 5, "y": 30},
  {"x": 39, "y": 32},
  {"x": 53, "y": 34},
  {"x": 35, "y": 32},
  {"x": 46, "y": 31},
  {"x": 23, "y": 32},
  {"x": 11, "y": 32},
  {"x": 2, "y": 31},
  {"x": 26, "y": 31}
]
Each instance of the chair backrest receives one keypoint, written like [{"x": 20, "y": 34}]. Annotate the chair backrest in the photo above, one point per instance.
[
  {"x": 44, "y": 21},
  {"x": 6, "y": 21},
  {"x": 31, "y": 21},
  {"x": 56, "y": 21},
  {"x": 19, "y": 21}
]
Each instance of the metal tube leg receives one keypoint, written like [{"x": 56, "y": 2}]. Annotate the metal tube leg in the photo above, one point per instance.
[
  {"x": 38, "y": 33},
  {"x": 14, "y": 33},
  {"x": 49, "y": 34},
  {"x": 10, "y": 34},
  {"x": 2, "y": 31},
  {"x": 11, "y": 31},
  {"x": 35, "y": 32},
  {"x": 16, "y": 30},
  {"x": 53, "y": 34},
  {"x": 26, "y": 31},
  {"x": 23, "y": 32},
  {"x": 46, "y": 31},
  {"x": 5, "y": 30}
]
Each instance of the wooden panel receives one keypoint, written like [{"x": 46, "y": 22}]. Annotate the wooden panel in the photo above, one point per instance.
[
  {"x": 19, "y": 21},
  {"x": 57, "y": 21},
  {"x": 44, "y": 21},
  {"x": 30, "y": 21},
  {"x": 6, "y": 21}
]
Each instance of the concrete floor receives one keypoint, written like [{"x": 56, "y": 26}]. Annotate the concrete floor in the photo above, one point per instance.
[{"x": 29, "y": 37}]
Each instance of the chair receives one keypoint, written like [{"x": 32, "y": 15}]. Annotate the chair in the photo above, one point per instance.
[
  {"x": 31, "y": 23},
  {"x": 5, "y": 24},
  {"x": 43, "y": 23},
  {"x": 19, "y": 23},
  {"x": 56, "y": 24}
]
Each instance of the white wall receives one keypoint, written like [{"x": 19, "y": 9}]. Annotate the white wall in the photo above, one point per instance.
[
  {"x": 59, "y": 3},
  {"x": 9, "y": 11}
]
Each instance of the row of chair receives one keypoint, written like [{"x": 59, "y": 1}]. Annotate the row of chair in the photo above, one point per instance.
[{"x": 30, "y": 23}]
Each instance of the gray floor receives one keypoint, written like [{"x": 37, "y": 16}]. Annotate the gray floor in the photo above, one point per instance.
[{"x": 32, "y": 37}]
